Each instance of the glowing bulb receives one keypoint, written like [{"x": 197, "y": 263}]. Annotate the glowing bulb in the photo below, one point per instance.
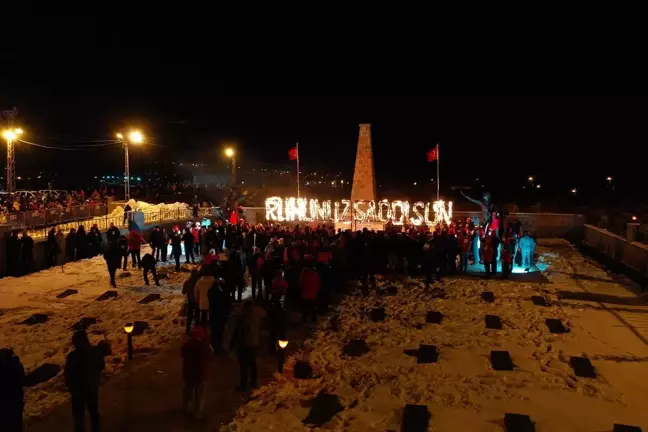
[
  {"x": 120, "y": 136},
  {"x": 609, "y": 179},
  {"x": 229, "y": 152},
  {"x": 634, "y": 218},
  {"x": 9, "y": 135},
  {"x": 574, "y": 190},
  {"x": 128, "y": 328},
  {"x": 531, "y": 179},
  {"x": 136, "y": 137},
  {"x": 283, "y": 344},
  {"x": 538, "y": 186}
]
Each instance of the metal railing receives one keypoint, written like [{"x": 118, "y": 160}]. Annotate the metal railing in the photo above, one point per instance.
[
  {"x": 103, "y": 222},
  {"x": 52, "y": 215}
]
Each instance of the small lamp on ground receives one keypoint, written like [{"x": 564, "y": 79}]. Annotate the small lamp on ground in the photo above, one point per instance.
[
  {"x": 282, "y": 354},
  {"x": 128, "y": 328}
]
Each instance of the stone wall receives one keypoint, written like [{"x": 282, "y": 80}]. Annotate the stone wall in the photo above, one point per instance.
[{"x": 631, "y": 254}]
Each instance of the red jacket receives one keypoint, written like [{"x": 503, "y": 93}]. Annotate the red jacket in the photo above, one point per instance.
[
  {"x": 196, "y": 235},
  {"x": 209, "y": 258},
  {"x": 195, "y": 354},
  {"x": 279, "y": 285},
  {"x": 135, "y": 240},
  {"x": 487, "y": 250},
  {"x": 465, "y": 244},
  {"x": 309, "y": 284}
]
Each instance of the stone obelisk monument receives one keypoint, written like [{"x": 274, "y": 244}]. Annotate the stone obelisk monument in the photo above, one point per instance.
[{"x": 364, "y": 176}]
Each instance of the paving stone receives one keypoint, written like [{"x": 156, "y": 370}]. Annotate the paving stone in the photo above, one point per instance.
[
  {"x": 356, "y": 348},
  {"x": 501, "y": 360},
  {"x": 493, "y": 322},
  {"x": 302, "y": 370},
  {"x": 150, "y": 298},
  {"x": 84, "y": 323},
  {"x": 434, "y": 317},
  {"x": 416, "y": 418},
  {"x": 67, "y": 293},
  {"x": 556, "y": 326},
  {"x": 139, "y": 327},
  {"x": 377, "y": 314},
  {"x": 38, "y": 318},
  {"x": 107, "y": 295},
  {"x": 582, "y": 367},
  {"x": 626, "y": 428},
  {"x": 488, "y": 296},
  {"x": 518, "y": 423},
  {"x": 539, "y": 301},
  {"x": 392, "y": 290},
  {"x": 324, "y": 407},
  {"x": 427, "y": 354}
]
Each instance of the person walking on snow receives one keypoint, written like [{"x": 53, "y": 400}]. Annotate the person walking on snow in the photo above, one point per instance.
[
  {"x": 195, "y": 353},
  {"x": 113, "y": 260},
  {"x": 176, "y": 248},
  {"x": 148, "y": 264},
  {"x": 135, "y": 242},
  {"x": 203, "y": 286},
  {"x": 188, "y": 239},
  {"x": 189, "y": 290}
]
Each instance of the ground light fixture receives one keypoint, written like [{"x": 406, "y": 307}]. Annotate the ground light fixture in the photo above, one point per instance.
[
  {"x": 128, "y": 328},
  {"x": 282, "y": 354}
]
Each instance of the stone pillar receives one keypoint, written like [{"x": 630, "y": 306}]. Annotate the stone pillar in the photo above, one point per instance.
[
  {"x": 364, "y": 177},
  {"x": 631, "y": 231}
]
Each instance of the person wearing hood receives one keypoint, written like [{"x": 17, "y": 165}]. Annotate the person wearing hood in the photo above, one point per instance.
[
  {"x": 188, "y": 239},
  {"x": 27, "y": 251},
  {"x": 176, "y": 247},
  {"x": 70, "y": 245},
  {"x": 195, "y": 353},
  {"x": 113, "y": 256},
  {"x": 112, "y": 235},
  {"x": 83, "y": 368},
  {"x": 94, "y": 241},
  {"x": 59, "y": 255},
  {"x": 247, "y": 344},
  {"x": 203, "y": 286},
  {"x": 156, "y": 242},
  {"x": 220, "y": 304},
  {"x": 310, "y": 285},
  {"x": 122, "y": 245},
  {"x": 12, "y": 377},
  {"x": 135, "y": 242},
  {"x": 148, "y": 264},
  {"x": 81, "y": 243},
  {"x": 50, "y": 248}
]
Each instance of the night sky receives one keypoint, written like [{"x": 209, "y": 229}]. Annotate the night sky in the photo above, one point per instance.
[{"x": 83, "y": 80}]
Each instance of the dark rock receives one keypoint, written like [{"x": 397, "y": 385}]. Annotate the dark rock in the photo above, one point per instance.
[
  {"x": 434, "y": 317},
  {"x": 416, "y": 418},
  {"x": 582, "y": 367},
  {"x": 493, "y": 322},
  {"x": 42, "y": 373},
  {"x": 356, "y": 348},
  {"x": 38, "y": 318},
  {"x": 518, "y": 423},
  {"x": 324, "y": 407},
  {"x": 150, "y": 298},
  {"x": 501, "y": 361},
  {"x": 302, "y": 370}
]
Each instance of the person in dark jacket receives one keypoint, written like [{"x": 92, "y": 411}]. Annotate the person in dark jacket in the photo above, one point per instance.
[
  {"x": 50, "y": 248},
  {"x": 156, "y": 240},
  {"x": 83, "y": 367},
  {"x": 220, "y": 304},
  {"x": 12, "y": 380},
  {"x": 127, "y": 211},
  {"x": 70, "y": 245},
  {"x": 176, "y": 248},
  {"x": 192, "y": 304},
  {"x": 81, "y": 243},
  {"x": 164, "y": 243},
  {"x": 195, "y": 352},
  {"x": 113, "y": 258},
  {"x": 247, "y": 342},
  {"x": 122, "y": 244},
  {"x": 310, "y": 285},
  {"x": 188, "y": 239},
  {"x": 27, "y": 252},
  {"x": 112, "y": 235},
  {"x": 94, "y": 241},
  {"x": 148, "y": 264},
  {"x": 13, "y": 254}
]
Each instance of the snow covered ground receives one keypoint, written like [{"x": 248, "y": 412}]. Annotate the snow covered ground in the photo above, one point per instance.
[
  {"x": 51, "y": 341},
  {"x": 607, "y": 323}
]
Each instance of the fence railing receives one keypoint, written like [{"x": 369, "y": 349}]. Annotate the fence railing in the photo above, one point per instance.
[
  {"x": 52, "y": 216},
  {"x": 103, "y": 222}
]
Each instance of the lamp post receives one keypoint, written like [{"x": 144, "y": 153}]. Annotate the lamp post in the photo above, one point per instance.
[
  {"x": 10, "y": 135},
  {"x": 128, "y": 328},
  {"x": 281, "y": 354},
  {"x": 230, "y": 153},
  {"x": 135, "y": 137}
]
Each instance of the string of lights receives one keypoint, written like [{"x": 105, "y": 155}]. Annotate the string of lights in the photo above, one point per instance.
[{"x": 76, "y": 148}]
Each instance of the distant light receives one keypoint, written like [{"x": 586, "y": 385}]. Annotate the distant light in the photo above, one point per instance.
[
  {"x": 414, "y": 183},
  {"x": 19, "y": 178},
  {"x": 634, "y": 218},
  {"x": 229, "y": 152},
  {"x": 139, "y": 178},
  {"x": 136, "y": 137},
  {"x": 574, "y": 190},
  {"x": 531, "y": 178},
  {"x": 120, "y": 136},
  {"x": 609, "y": 178},
  {"x": 538, "y": 186},
  {"x": 332, "y": 183}
]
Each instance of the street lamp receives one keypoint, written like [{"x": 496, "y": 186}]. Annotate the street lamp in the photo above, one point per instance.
[
  {"x": 230, "y": 153},
  {"x": 10, "y": 135},
  {"x": 128, "y": 328},
  {"x": 282, "y": 354},
  {"x": 134, "y": 137}
]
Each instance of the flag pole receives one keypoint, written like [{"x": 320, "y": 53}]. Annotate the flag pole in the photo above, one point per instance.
[
  {"x": 297, "y": 147},
  {"x": 438, "y": 163}
]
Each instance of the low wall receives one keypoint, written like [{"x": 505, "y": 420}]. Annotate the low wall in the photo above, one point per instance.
[{"x": 632, "y": 254}]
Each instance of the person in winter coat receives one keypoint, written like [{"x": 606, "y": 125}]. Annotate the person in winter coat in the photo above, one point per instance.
[
  {"x": 60, "y": 247},
  {"x": 203, "y": 286},
  {"x": 176, "y": 248},
  {"x": 135, "y": 241},
  {"x": 83, "y": 367},
  {"x": 255, "y": 267},
  {"x": 188, "y": 239},
  {"x": 247, "y": 344},
  {"x": 195, "y": 232},
  {"x": 220, "y": 304},
  {"x": 12, "y": 380},
  {"x": 148, "y": 264},
  {"x": 164, "y": 243},
  {"x": 464, "y": 248},
  {"x": 50, "y": 248},
  {"x": 279, "y": 287},
  {"x": 195, "y": 353},
  {"x": 488, "y": 256},
  {"x": 203, "y": 241},
  {"x": 122, "y": 244},
  {"x": 94, "y": 241},
  {"x": 127, "y": 211},
  {"x": 113, "y": 256},
  {"x": 113, "y": 234},
  {"x": 70, "y": 245},
  {"x": 310, "y": 285},
  {"x": 276, "y": 324},
  {"x": 527, "y": 248},
  {"x": 81, "y": 243},
  {"x": 156, "y": 242},
  {"x": 189, "y": 290},
  {"x": 210, "y": 258},
  {"x": 507, "y": 256},
  {"x": 27, "y": 252}
]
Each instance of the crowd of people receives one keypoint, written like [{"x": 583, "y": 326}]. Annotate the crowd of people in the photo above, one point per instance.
[
  {"x": 42, "y": 200},
  {"x": 283, "y": 268}
]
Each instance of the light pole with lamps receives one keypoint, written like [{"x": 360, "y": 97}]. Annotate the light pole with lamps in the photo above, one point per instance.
[
  {"x": 128, "y": 328},
  {"x": 230, "y": 153},
  {"x": 10, "y": 135},
  {"x": 135, "y": 137}
]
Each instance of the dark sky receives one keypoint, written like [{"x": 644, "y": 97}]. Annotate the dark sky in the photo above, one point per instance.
[{"x": 192, "y": 93}]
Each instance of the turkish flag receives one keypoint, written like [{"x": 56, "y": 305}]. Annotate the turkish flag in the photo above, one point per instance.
[
  {"x": 292, "y": 153},
  {"x": 433, "y": 154}
]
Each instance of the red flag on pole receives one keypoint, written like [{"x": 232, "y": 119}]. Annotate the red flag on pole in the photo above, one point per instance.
[
  {"x": 433, "y": 154},
  {"x": 292, "y": 153}
]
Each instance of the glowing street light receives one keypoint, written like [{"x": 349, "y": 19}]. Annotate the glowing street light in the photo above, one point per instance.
[
  {"x": 634, "y": 218},
  {"x": 538, "y": 186},
  {"x": 231, "y": 153},
  {"x": 574, "y": 190},
  {"x": 282, "y": 354},
  {"x": 10, "y": 135},
  {"x": 531, "y": 179},
  {"x": 134, "y": 137},
  {"x": 609, "y": 178},
  {"x": 128, "y": 328}
]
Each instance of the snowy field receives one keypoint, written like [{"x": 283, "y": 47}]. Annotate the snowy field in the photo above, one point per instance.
[
  {"x": 51, "y": 341},
  {"x": 607, "y": 323}
]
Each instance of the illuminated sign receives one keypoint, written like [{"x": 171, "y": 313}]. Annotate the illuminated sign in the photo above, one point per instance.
[{"x": 398, "y": 212}]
